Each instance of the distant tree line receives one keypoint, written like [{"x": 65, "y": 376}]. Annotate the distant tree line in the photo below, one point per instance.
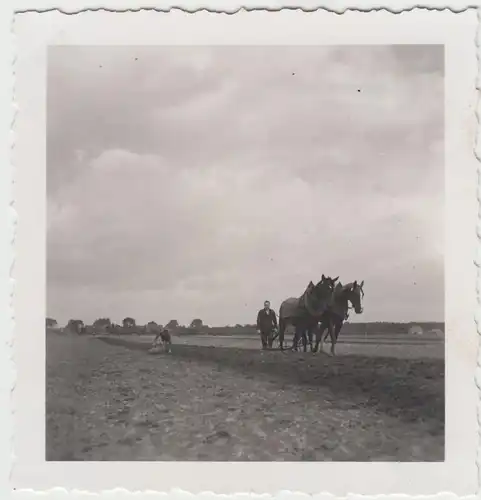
[
  {"x": 128, "y": 326},
  {"x": 380, "y": 327},
  {"x": 366, "y": 328},
  {"x": 197, "y": 326}
]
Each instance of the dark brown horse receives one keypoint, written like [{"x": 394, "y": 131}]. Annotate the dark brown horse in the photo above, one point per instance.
[
  {"x": 305, "y": 312},
  {"x": 337, "y": 312}
]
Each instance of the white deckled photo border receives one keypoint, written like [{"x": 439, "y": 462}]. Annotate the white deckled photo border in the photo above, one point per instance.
[{"x": 457, "y": 32}]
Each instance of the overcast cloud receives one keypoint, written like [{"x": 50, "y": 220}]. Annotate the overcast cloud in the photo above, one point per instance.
[{"x": 197, "y": 182}]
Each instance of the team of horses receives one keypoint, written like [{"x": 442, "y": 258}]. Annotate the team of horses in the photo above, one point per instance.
[{"x": 319, "y": 312}]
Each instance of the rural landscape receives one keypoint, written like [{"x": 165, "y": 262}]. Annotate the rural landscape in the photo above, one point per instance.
[
  {"x": 216, "y": 396},
  {"x": 245, "y": 253}
]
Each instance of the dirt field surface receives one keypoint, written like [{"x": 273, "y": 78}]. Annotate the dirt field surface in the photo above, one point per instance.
[
  {"x": 389, "y": 346},
  {"x": 108, "y": 399}
]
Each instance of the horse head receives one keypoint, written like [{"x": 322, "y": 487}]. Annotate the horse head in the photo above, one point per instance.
[
  {"x": 355, "y": 294},
  {"x": 321, "y": 294},
  {"x": 325, "y": 287}
]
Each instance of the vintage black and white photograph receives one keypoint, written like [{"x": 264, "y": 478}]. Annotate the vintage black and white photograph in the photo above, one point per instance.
[{"x": 245, "y": 253}]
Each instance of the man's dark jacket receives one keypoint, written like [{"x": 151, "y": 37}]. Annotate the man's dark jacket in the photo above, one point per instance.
[{"x": 266, "y": 320}]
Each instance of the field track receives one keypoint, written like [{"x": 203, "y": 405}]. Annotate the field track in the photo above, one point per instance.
[
  {"x": 399, "y": 346},
  {"x": 224, "y": 399}
]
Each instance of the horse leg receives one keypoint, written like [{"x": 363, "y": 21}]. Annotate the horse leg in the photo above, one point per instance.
[
  {"x": 310, "y": 337},
  {"x": 337, "y": 329},
  {"x": 332, "y": 333},
  {"x": 294, "y": 341},
  {"x": 282, "y": 329},
  {"x": 297, "y": 337},
  {"x": 304, "y": 340},
  {"x": 302, "y": 336},
  {"x": 320, "y": 338}
]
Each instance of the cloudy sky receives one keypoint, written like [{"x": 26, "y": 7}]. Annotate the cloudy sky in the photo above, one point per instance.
[{"x": 192, "y": 182}]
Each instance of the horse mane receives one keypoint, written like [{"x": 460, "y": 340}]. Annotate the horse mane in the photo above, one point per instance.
[
  {"x": 340, "y": 289},
  {"x": 304, "y": 300}
]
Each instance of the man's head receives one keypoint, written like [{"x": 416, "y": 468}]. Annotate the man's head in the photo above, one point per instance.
[{"x": 267, "y": 305}]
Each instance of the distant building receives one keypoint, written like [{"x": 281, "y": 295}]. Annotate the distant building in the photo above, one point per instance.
[{"x": 415, "y": 330}]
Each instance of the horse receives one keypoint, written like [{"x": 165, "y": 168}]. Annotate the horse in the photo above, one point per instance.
[
  {"x": 337, "y": 312},
  {"x": 304, "y": 312}
]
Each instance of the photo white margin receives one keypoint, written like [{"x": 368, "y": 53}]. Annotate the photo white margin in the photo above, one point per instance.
[{"x": 34, "y": 32}]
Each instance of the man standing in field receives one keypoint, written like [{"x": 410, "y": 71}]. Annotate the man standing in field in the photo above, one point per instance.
[{"x": 266, "y": 322}]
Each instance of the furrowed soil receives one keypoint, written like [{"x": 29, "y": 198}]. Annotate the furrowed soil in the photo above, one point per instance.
[{"x": 108, "y": 399}]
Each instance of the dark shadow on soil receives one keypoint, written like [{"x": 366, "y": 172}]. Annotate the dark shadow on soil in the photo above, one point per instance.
[{"x": 408, "y": 389}]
